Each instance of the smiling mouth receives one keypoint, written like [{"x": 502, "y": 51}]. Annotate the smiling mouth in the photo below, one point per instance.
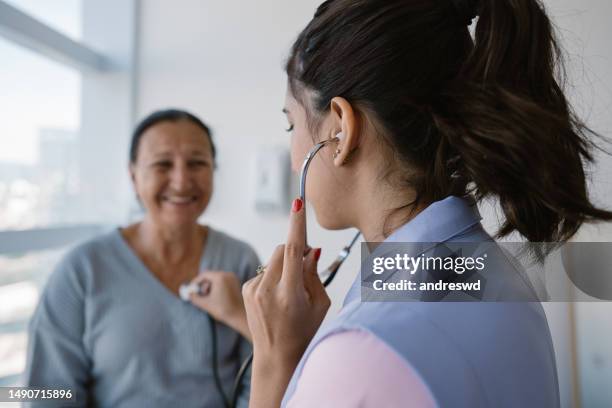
[{"x": 180, "y": 200}]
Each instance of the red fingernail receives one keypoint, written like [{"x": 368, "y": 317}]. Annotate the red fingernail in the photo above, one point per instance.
[
  {"x": 297, "y": 205},
  {"x": 317, "y": 254}
]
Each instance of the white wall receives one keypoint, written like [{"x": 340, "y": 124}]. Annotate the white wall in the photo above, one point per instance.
[
  {"x": 224, "y": 60},
  {"x": 586, "y": 32}
]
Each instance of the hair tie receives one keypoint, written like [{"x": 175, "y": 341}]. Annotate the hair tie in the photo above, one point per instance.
[{"x": 466, "y": 10}]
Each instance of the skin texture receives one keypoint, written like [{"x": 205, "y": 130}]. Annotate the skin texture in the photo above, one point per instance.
[
  {"x": 173, "y": 174},
  {"x": 173, "y": 179},
  {"x": 350, "y": 190}
]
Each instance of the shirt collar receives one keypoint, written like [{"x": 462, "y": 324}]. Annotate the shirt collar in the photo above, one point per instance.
[{"x": 439, "y": 222}]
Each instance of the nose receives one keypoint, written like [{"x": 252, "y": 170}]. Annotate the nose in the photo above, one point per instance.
[{"x": 180, "y": 177}]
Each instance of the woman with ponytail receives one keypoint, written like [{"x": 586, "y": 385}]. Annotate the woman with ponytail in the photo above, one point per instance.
[{"x": 432, "y": 121}]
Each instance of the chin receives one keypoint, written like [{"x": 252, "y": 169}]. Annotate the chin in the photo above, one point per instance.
[
  {"x": 328, "y": 216},
  {"x": 331, "y": 223}
]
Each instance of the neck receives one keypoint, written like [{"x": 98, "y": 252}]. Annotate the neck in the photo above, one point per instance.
[
  {"x": 379, "y": 206},
  {"x": 385, "y": 211},
  {"x": 170, "y": 245}
]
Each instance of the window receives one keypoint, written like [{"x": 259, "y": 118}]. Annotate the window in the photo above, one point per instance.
[
  {"x": 62, "y": 15},
  {"x": 40, "y": 126},
  {"x": 21, "y": 282},
  {"x": 67, "y": 115}
]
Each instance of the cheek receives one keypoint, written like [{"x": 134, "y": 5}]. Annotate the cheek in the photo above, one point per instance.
[
  {"x": 204, "y": 180},
  {"x": 319, "y": 182},
  {"x": 324, "y": 199},
  {"x": 300, "y": 144},
  {"x": 148, "y": 185},
  {"x": 203, "y": 184},
  {"x": 324, "y": 191}
]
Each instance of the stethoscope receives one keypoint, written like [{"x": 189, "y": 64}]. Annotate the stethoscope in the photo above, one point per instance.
[{"x": 327, "y": 276}]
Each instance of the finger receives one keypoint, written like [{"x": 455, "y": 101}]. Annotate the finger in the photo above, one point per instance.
[
  {"x": 312, "y": 281},
  {"x": 202, "y": 289},
  {"x": 205, "y": 275},
  {"x": 249, "y": 287},
  {"x": 295, "y": 246},
  {"x": 205, "y": 287},
  {"x": 311, "y": 261},
  {"x": 274, "y": 269},
  {"x": 199, "y": 300},
  {"x": 205, "y": 281},
  {"x": 310, "y": 268}
]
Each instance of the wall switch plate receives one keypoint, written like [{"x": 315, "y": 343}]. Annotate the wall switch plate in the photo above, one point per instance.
[{"x": 272, "y": 179}]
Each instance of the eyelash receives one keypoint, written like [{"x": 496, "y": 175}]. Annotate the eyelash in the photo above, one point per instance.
[{"x": 290, "y": 129}]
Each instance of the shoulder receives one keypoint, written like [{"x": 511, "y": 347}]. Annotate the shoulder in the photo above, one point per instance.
[
  {"x": 60, "y": 313},
  {"x": 356, "y": 368},
  {"x": 79, "y": 263},
  {"x": 228, "y": 241},
  {"x": 233, "y": 253},
  {"x": 93, "y": 247},
  {"x": 230, "y": 244},
  {"x": 442, "y": 324}
]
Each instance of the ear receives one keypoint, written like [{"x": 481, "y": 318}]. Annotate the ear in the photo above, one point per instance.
[
  {"x": 345, "y": 122},
  {"x": 132, "y": 170}
]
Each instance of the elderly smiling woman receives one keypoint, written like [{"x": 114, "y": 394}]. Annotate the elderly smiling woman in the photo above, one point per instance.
[{"x": 110, "y": 324}]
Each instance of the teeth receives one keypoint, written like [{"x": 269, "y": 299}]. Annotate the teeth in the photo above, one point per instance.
[{"x": 180, "y": 200}]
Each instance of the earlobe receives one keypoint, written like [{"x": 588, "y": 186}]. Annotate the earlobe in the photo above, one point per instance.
[
  {"x": 337, "y": 153},
  {"x": 338, "y": 139},
  {"x": 347, "y": 138},
  {"x": 340, "y": 158}
]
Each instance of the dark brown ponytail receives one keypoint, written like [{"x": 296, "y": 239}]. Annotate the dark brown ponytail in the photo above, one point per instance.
[
  {"x": 485, "y": 117},
  {"x": 508, "y": 119}
]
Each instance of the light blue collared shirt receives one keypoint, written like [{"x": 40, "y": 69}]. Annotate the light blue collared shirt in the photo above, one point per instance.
[
  {"x": 469, "y": 354},
  {"x": 453, "y": 219}
]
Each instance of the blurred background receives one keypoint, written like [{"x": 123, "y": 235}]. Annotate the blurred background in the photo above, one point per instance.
[{"x": 76, "y": 75}]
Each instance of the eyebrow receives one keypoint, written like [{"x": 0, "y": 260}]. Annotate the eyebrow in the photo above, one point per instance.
[
  {"x": 160, "y": 154},
  {"x": 169, "y": 153}
]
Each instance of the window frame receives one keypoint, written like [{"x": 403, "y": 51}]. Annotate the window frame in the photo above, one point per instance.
[{"x": 106, "y": 59}]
